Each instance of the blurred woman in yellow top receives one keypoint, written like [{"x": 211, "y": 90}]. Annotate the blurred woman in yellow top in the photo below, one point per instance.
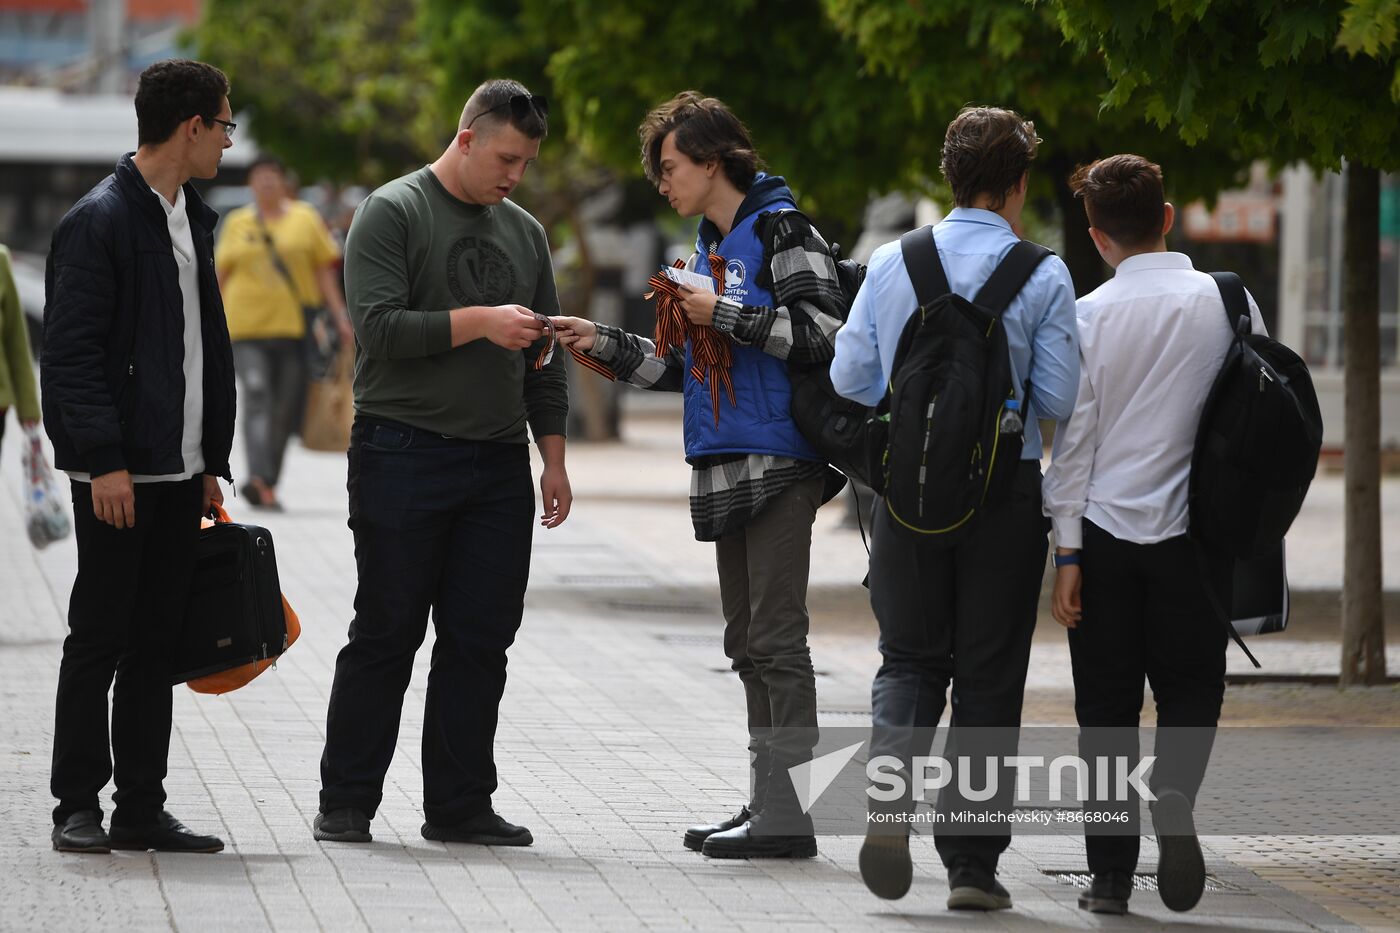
[
  {"x": 275, "y": 261},
  {"x": 16, "y": 369}
]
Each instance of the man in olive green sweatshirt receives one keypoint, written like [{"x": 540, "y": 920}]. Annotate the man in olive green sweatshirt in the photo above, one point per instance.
[{"x": 444, "y": 279}]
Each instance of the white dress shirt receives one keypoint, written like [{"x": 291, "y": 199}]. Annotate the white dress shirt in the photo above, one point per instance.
[{"x": 1151, "y": 342}]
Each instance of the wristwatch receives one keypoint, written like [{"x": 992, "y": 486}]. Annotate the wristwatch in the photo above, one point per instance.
[{"x": 1066, "y": 560}]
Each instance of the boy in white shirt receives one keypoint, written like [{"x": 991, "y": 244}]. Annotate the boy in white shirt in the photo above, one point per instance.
[{"x": 1128, "y": 583}]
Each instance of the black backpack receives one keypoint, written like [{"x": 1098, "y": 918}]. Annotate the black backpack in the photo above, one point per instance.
[
  {"x": 1258, "y": 442},
  {"x": 952, "y": 452},
  {"x": 841, "y": 430}
]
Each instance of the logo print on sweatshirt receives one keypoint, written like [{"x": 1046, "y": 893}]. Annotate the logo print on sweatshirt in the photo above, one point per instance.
[{"x": 479, "y": 272}]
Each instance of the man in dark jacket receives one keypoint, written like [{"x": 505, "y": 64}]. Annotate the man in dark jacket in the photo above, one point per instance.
[{"x": 138, "y": 399}]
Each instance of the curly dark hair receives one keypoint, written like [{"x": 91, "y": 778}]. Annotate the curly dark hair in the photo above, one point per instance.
[
  {"x": 986, "y": 151},
  {"x": 705, "y": 129},
  {"x": 171, "y": 91},
  {"x": 1123, "y": 198}
]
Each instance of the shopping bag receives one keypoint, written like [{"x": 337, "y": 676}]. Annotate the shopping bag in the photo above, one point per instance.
[
  {"x": 45, "y": 516},
  {"x": 330, "y": 406}
]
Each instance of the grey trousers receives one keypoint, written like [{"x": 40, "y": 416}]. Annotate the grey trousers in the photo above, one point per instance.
[
  {"x": 273, "y": 373},
  {"x": 763, "y": 590}
]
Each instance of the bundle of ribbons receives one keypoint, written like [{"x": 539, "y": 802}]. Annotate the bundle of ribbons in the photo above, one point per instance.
[{"x": 710, "y": 351}]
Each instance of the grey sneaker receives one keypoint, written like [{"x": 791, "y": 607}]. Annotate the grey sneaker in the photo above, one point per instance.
[{"x": 974, "y": 888}]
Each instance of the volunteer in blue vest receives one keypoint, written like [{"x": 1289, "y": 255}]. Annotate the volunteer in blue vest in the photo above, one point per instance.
[
  {"x": 962, "y": 614},
  {"x": 1128, "y": 586},
  {"x": 756, "y": 482}
]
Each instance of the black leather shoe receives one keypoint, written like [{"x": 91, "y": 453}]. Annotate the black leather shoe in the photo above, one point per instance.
[
  {"x": 484, "y": 829},
  {"x": 1181, "y": 868},
  {"x": 166, "y": 834},
  {"x": 82, "y": 832},
  {"x": 972, "y": 887},
  {"x": 695, "y": 836},
  {"x": 750, "y": 841},
  {"x": 343, "y": 825},
  {"x": 1108, "y": 893}
]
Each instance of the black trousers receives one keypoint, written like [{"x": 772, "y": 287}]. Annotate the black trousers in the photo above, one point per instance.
[
  {"x": 127, "y": 606},
  {"x": 441, "y": 525},
  {"x": 963, "y": 614},
  {"x": 1146, "y": 616}
]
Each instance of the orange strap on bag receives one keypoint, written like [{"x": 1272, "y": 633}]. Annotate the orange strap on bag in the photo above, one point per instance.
[{"x": 235, "y": 677}]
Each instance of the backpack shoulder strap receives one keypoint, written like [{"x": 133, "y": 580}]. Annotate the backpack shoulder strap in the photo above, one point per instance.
[
  {"x": 1010, "y": 275},
  {"x": 923, "y": 265},
  {"x": 1236, "y": 302}
]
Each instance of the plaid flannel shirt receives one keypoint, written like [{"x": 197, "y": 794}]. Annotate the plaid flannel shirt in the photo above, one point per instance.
[{"x": 727, "y": 490}]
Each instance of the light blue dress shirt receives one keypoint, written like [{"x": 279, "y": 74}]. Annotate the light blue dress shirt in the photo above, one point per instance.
[{"x": 1039, "y": 322}]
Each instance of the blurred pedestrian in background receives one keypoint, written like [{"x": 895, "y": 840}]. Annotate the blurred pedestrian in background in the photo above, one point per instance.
[
  {"x": 16, "y": 371},
  {"x": 279, "y": 275}
]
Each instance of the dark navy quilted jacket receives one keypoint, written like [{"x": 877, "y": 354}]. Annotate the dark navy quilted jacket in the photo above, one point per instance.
[{"x": 112, "y": 371}]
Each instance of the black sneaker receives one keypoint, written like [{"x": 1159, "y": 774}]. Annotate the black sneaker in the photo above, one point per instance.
[
  {"x": 695, "y": 836},
  {"x": 972, "y": 887},
  {"x": 344, "y": 825},
  {"x": 82, "y": 832},
  {"x": 1181, "y": 868},
  {"x": 1108, "y": 893},
  {"x": 484, "y": 829},
  {"x": 166, "y": 834}
]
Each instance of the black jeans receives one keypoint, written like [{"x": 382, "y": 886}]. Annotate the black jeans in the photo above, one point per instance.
[
  {"x": 1146, "y": 616},
  {"x": 273, "y": 373},
  {"x": 440, "y": 524},
  {"x": 962, "y": 614},
  {"x": 128, "y": 603}
]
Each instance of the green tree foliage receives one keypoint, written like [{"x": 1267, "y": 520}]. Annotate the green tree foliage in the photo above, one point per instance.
[
  {"x": 820, "y": 118},
  {"x": 340, "y": 89},
  {"x": 948, "y": 53},
  {"x": 1269, "y": 77}
]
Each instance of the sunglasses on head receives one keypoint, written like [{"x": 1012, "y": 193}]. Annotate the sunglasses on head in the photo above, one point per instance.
[{"x": 521, "y": 106}]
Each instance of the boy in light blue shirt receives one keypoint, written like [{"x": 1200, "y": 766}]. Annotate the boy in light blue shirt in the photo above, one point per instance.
[{"x": 962, "y": 614}]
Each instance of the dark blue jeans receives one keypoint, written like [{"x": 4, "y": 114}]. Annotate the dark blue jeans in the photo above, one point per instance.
[
  {"x": 962, "y": 615},
  {"x": 442, "y": 525}
]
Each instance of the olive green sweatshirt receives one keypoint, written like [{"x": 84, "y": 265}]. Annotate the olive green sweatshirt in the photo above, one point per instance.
[
  {"x": 16, "y": 371},
  {"x": 413, "y": 254}
]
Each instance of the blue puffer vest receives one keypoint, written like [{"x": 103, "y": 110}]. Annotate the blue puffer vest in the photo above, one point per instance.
[{"x": 759, "y": 422}]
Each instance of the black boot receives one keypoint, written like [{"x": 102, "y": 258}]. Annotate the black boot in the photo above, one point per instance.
[
  {"x": 778, "y": 830},
  {"x": 695, "y": 836}
]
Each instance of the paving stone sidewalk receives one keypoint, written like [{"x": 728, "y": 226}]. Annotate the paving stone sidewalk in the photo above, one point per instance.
[{"x": 620, "y": 726}]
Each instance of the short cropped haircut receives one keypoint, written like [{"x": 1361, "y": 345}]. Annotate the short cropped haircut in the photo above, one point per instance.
[
  {"x": 1123, "y": 197},
  {"x": 986, "y": 151},
  {"x": 705, "y": 129},
  {"x": 488, "y": 109},
  {"x": 171, "y": 91}
]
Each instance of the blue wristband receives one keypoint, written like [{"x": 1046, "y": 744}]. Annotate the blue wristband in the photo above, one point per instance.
[{"x": 1066, "y": 560}]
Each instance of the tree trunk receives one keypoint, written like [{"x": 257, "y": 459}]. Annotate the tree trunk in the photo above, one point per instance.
[
  {"x": 1086, "y": 267},
  {"x": 592, "y": 392},
  {"x": 1363, "y": 628}
]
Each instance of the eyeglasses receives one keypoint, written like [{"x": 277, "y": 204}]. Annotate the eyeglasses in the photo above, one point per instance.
[
  {"x": 520, "y": 107},
  {"x": 228, "y": 127}
]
